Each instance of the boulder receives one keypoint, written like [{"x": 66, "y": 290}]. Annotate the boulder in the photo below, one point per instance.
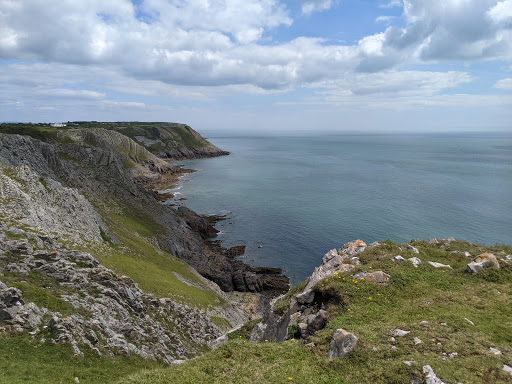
[
  {"x": 431, "y": 377},
  {"x": 333, "y": 262},
  {"x": 378, "y": 277},
  {"x": 316, "y": 321},
  {"x": 353, "y": 247},
  {"x": 342, "y": 343},
  {"x": 439, "y": 265},
  {"x": 413, "y": 249},
  {"x": 415, "y": 261},
  {"x": 483, "y": 261},
  {"x": 305, "y": 297},
  {"x": 400, "y": 332}
]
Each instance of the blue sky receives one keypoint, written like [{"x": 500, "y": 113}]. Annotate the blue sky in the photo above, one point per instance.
[{"x": 267, "y": 65}]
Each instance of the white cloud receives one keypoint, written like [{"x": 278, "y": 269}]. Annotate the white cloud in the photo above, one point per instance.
[
  {"x": 392, "y": 4},
  {"x": 310, "y": 6},
  {"x": 385, "y": 19},
  {"x": 501, "y": 13},
  {"x": 202, "y": 50},
  {"x": 504, "y": 84}
]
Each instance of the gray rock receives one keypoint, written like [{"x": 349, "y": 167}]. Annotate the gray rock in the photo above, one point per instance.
[
  {"x": 316, "y": 322},
  {"x": 218, "y": 342},
  {"x": 431, "y": 377},
  {"x": 10, "y": 296},
  {"x": 354, "y": 260},
  {"x": 342, "y": 342},
  {"x": 378, "y": 277},
  {"x": 433, "y": 241},
  {"x": 400, "y": 332},
  {"x": 415, "y": 261},
  {"x": 305, "y": 297},
  {"x": 483, "y": 261},
  {"x": 413, "y": 249},
  {"x": 398, "y": 258},
  {"x": 507, "y": 369},
  {"x": 439, "y": 265},
  {"x": 20, "y": 247},
  {"x": 335, "y": 262},
  {"x": 495, "y": 351}
]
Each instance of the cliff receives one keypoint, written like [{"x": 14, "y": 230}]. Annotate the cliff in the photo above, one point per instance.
[
  {"x": 90, "y": 260},
  {"x": 166, "y": 140},
  {"x": 110, "y": 171},
  {"x": 424, "y": 312}
]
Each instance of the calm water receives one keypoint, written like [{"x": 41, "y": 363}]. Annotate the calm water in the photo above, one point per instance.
[{"x": 298, "y": 197}]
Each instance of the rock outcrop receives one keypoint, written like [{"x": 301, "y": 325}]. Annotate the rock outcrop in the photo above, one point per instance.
[
  {"x": 336, "y": 261},
  {"x": 342, "y": 342},
  {"x": 65, "y": 184},
  {"x": 172, "y": 140},
  {"x": 110, "y": 313},
  {"x": 483, "y": 261}
]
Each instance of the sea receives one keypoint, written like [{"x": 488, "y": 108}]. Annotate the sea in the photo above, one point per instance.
[{"x": 291, "y": 198}]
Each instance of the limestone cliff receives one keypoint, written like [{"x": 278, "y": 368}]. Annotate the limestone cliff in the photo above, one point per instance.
[{"x": 166, "y": 140}]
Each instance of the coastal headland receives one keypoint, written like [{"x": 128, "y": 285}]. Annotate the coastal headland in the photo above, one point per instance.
[{"x": 103, "y": 283}]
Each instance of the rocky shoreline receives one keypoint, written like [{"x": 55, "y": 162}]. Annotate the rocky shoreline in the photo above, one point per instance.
[{"x": 266, "y": 280}]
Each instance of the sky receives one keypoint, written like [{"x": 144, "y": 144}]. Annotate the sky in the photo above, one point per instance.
[{"x": 260, "y": 65}]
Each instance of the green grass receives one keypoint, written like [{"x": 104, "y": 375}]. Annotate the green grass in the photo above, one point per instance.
[
  {"x": 42, "y": 290},
  {"x": 243, "y": 362},
  {"x": 43, "y": 298},
  {"x": 243, "y": 332},
  {"x": 25, "y": 360},
  {"x": 372, "y": 312},
  {"x": 14, "y": 236},
  {"x": 221, "y": 323},
  {"x": 152, "y": 269}
]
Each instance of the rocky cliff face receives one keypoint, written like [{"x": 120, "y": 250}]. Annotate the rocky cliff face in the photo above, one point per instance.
[
  {"x": 58, "y": 196},
  {"x": 108, "y": 313},
  {"x": 106, "y": 169},
  {"x": 173, "y": 141}
]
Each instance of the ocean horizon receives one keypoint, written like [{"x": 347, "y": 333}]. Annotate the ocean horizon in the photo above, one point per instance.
[{"x": 290, "y": 199}]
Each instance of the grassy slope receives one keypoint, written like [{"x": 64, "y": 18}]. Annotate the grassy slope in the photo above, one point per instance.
[
  {"x": 26, "y": 361},
  {"x": 372, "y": 312},
  {"x": 152, "y": 269},
  {"x": 23, "y": 359}
]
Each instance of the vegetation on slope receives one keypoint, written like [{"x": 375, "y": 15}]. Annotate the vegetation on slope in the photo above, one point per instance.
[
  {"x": 433, "y": 304},
  {"x": 25, "y": 360},
  {"x": 155, "y": 271}
]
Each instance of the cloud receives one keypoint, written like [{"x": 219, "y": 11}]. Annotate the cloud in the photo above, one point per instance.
[
  {"x": 501, "y": 13},
  {"x": 385, "y": 19},
  {"x": 392, "y": 4},
  {"x": 504, "y": 84},
  {"x": 310, "y": 6},
  {"x": 391, "y": 84},
  {"x": 202, "y": 50}
]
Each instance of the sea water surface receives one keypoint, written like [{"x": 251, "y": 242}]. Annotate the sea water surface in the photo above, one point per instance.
[{"x": 290, "y": 199}]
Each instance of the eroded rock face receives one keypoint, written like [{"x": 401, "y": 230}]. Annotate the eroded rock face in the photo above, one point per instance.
[
  {"x": 336, "y": 261},
  {"x": 50, "y": 181},
  {"x": 483, "y": 261},
  {"x": 112, "y": 314},
  {"x": 342, "y": 342}
]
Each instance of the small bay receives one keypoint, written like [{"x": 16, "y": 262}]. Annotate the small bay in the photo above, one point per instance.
[{"x": 290, "y": 199}]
